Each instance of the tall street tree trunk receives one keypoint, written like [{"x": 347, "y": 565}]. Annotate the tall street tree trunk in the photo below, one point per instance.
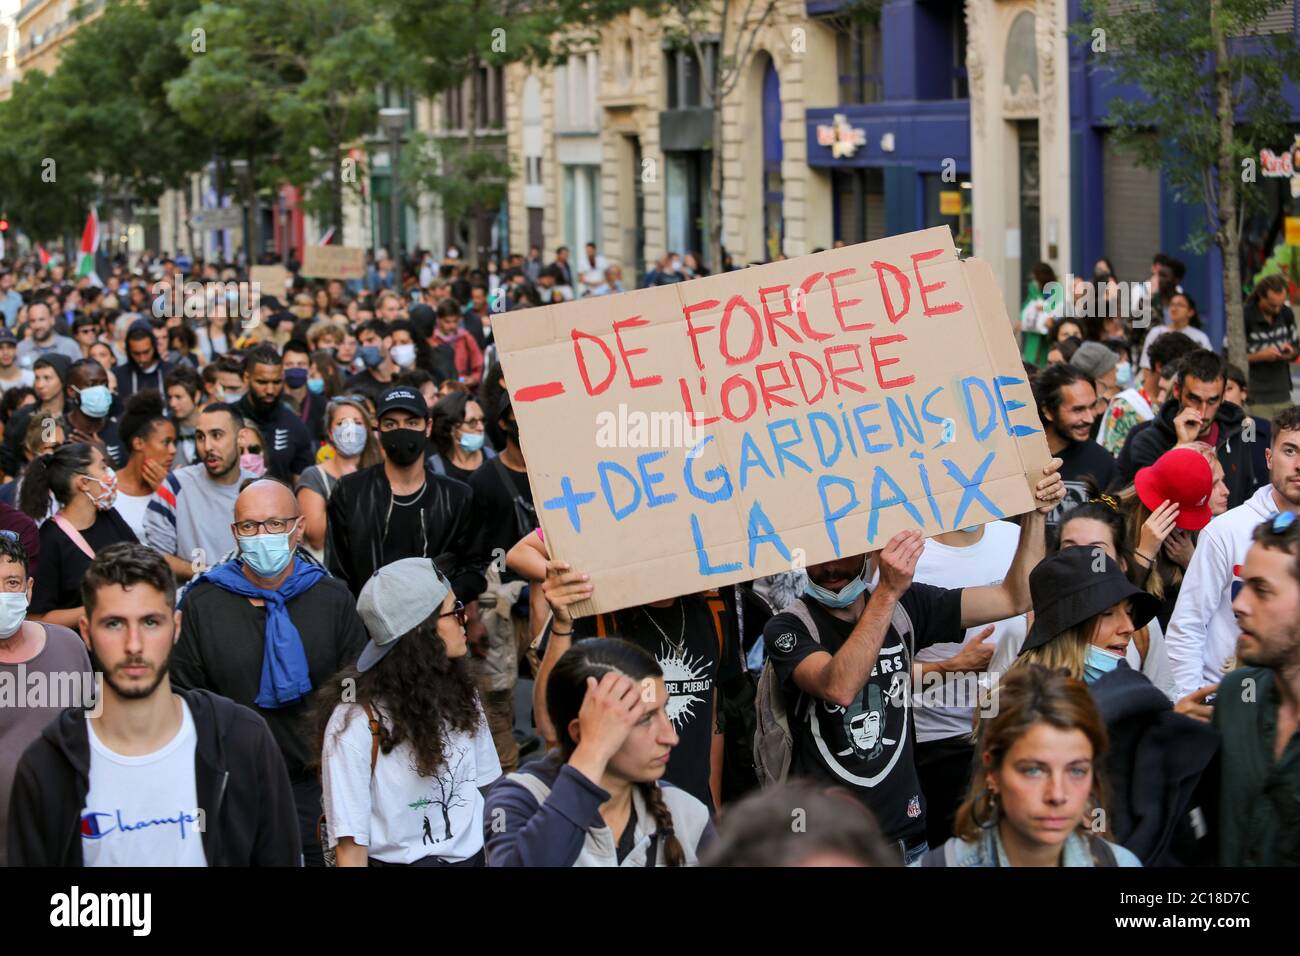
[
  {"x": 1227, "y": 235},
  {"x": 471, "y": 142},
  {"x": 715, "y": 191}
]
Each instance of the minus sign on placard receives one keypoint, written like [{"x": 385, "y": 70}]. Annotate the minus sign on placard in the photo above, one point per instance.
[{"x": 531, "y": 393}]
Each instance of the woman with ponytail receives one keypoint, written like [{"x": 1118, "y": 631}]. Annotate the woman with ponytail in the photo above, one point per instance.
[
  {"x": 598, "y": 799},
  {"x": 85, "y": 487}
]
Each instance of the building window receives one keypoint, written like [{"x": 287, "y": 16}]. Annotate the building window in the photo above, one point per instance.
[
  {"x": 685, "y": 75},
  {"x": 577, "y": 85},
  {"x": 859, "y": 56},
  {"x": 453, "y": 108},
  {"x": 581, "y": 206}
]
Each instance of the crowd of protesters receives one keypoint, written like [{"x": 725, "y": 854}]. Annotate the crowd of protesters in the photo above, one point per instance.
[{"x": 297, "y": 544}]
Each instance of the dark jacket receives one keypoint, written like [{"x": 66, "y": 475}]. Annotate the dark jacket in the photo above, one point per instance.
[
  {"x": 289, "y": 448},
  {"x": 357, "y": 511},
  {"x": 239, "y": 776},
  {"x": 1150, "y": 440},
  {"x": 131, "y": 378},
  {"x": 1155, "y": 762}
]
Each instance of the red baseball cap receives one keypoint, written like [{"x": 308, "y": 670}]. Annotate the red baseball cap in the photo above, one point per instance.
[{"x": 1181, "y": 475}]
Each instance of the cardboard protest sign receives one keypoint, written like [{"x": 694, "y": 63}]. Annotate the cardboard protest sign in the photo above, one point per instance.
[
  {"x": 697, "y": 434},
  {"x": 334, "y": 262},
  {"x": 271, "y": 280}
]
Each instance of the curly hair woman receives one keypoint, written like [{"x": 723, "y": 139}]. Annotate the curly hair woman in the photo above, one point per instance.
[{"x": 406, "y": 759}]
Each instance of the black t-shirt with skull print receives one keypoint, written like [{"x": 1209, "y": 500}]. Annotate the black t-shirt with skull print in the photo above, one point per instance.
[{"x": 867, "y": 746}]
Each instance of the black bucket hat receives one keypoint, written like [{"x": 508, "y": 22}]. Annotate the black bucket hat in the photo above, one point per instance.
[{"x": 1070, "y": 587}]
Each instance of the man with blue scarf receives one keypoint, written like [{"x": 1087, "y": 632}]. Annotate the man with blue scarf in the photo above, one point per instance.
[{"x": 266, "y": 628}]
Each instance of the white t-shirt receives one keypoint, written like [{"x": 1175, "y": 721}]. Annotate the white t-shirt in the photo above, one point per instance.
[
  {"x": 25, "y": 377},
  {"x": 398, "y": 815},
  {"x": 143, "y": 811},
  {"x": 938, "y": 714},
  {"x": 132, "y": 508}
]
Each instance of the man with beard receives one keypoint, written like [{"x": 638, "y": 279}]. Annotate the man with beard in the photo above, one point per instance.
[
  {"x": 290, "y": 450},
  {"x": 144, "y": 366},
  {"x": 842, "y": 656},
  {"x": 1067, "y": 400},
  {"x": 1202, "y": 633},
  {"x": 41, "y": 338},
  {"x": 86, "y": 406},
  {"x": 265, "y": 629},
  {"x": 159, "y": 778},
  {"x": 188, "y": 518},
  {"x": 1258, "y": 707}
]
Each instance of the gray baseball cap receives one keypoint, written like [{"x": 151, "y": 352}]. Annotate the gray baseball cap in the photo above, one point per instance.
[
  {"x": 1094, "y": 358},
  {"x": 397, "y": 598}
]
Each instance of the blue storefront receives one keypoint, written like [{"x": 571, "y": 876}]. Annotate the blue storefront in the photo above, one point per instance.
[
  {"x": 1110, "y": 209},
  {"x": 896, "y": 147}
]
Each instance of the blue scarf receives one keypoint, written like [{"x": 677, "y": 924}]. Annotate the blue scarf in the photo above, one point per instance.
[{"x": 285, "y": 677}]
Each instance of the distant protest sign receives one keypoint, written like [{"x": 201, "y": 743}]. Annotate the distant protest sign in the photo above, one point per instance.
[
  {"x": 334, "y": 262},
  {"x": 270, "y": 280},
  {"x": 697, "y": 434}
]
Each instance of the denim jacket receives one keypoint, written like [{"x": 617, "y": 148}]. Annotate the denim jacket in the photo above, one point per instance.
[{"x": 987, "y": 850}]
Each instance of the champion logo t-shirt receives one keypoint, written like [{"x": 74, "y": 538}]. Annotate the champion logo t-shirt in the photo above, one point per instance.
[{"x": 143, "y": 811}]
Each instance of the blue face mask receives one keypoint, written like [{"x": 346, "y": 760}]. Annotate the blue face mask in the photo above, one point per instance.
[
  {"x": 266, "y": 554},
  {"x": 370, "y": 355},
  {"x": 316, "y": 386},
  {"x": 295, "y": 377},
  {"x": 96, "y": 400},
  {"x": 843, "y": 598},
  {"x": 1123, "y": 374},
  {"x": 1098, "y": 662},
  {"x": 471, "y": 441}
]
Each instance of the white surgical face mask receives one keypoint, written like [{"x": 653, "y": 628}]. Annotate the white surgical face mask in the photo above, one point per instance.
[{"x": 13, "y": 611}]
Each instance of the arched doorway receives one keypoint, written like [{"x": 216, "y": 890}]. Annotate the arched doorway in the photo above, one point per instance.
[{"x": 773, "y": 153}]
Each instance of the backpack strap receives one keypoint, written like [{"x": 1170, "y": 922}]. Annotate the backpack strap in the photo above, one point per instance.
[
  {"x": 374, "y": 736},
  {"x": 901, "y": 621},
  {"x": 73, "y": 534}
]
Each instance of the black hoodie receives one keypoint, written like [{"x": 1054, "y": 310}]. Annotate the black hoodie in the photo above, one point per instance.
[
  {"x": 239, "y": 777},
  {"x": 1155, "y": 760},
  {"x": 1150, "y": 440}
]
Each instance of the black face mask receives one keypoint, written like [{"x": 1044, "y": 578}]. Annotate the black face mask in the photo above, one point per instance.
[{"x": 402, "y": 445}]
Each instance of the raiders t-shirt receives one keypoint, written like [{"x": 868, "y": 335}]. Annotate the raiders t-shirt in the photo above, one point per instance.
[
  {"x": 691, "y": 675},
  {"x": 867, "y": 746}
]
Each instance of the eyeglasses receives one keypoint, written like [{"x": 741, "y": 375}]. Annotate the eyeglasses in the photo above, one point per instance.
[
  {"x": 246, "y": 529},
  {"x": 473, "y": 422},
  {"x": 459, "y": 612}
]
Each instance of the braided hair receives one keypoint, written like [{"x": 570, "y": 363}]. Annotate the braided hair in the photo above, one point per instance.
[{"x": 565, "y": 693}]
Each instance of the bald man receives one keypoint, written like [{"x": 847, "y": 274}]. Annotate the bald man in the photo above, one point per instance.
[{"x": 267, "y": 627}]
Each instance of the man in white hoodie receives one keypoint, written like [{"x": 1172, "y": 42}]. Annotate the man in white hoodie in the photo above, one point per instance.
[{"x": 1202, "y": 634}]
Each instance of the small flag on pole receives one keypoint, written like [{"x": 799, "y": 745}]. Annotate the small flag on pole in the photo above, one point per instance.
[{"x": 89, "y": 243}]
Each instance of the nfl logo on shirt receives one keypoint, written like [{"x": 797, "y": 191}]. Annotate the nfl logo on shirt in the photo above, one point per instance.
[{"x": 914, "y": 807}]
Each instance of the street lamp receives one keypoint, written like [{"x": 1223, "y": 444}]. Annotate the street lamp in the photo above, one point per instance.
[
  {"x": 393, "y": 119},
  {"x": 240, "y": 168}
]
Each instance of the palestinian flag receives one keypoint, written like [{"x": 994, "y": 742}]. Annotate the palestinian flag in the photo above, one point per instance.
[{"x": 89, "y": 243}]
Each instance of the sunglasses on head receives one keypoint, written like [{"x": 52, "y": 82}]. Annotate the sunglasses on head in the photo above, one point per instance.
[{"x": 1281, "y": 522}]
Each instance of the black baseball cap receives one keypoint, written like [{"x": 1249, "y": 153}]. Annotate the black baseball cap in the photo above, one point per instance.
[
  {"x": 7, "y": 336},
  {"x": 402, "y": 398}
]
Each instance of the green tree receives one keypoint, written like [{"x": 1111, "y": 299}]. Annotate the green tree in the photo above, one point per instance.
[
  {"x": 99, "y": 125},
  {"x": 287, "y": 87},
  {"x": 451, "y": 40},
  {"x": 1212, "y": 88}
]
